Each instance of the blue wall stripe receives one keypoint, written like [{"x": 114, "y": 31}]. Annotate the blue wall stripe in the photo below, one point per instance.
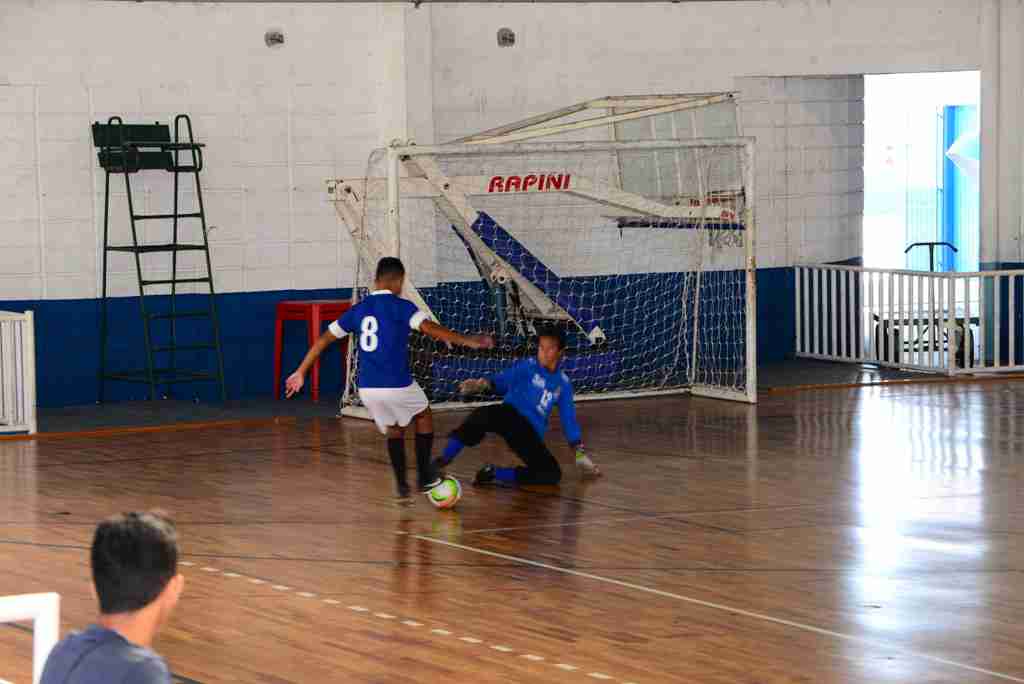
[
  {"x": 67, "y": 341},
  {"x": 67, "y": 345}
]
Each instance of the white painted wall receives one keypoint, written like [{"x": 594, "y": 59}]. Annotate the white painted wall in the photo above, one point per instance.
[
  {"x": 351, "y": 76},
  {"x": 809, "y": 130},
  {"x": 810, "y": 159},
  {"x": 567, "y": 52},
  {"x": 277, "y": 122},
  {"x": 1002, "y": 141}
]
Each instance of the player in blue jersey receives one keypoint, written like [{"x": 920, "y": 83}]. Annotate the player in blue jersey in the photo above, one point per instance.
[
  {"x": 532, "y": 388},
  {"x": 382, "y": 324}
]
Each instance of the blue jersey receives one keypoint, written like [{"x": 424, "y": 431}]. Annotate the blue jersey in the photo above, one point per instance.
[
  {"x": 534, "y": 391},
  {"x": 381, "y": 324}
]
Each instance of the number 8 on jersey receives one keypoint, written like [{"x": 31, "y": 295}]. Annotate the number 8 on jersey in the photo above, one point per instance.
[{"x": 368, "y": 334}]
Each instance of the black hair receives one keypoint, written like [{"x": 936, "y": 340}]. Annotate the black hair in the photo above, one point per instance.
[
  {"x": 390, "y": 267},
  {"x": 134, "y": 556},
  {"x": 557, "y": 334}
]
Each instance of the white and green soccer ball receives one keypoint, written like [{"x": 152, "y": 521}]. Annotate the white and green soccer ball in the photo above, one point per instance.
[{"x": 446, "y": 494}]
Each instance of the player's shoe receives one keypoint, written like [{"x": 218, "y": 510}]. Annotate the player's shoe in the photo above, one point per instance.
[
  {"x": 404, "y": 496},
  {"x": 485, "y": 475},
  {"x": 433, "y": 482},
  {"x": 433, "y": 478},
  {"x": 437, "y": 466}
]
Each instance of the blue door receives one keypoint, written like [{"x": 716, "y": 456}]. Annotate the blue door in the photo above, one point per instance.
[{"x": 960, "y": 203}]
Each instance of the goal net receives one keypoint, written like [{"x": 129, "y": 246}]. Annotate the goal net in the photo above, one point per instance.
[{"x": 640, "y": 251}]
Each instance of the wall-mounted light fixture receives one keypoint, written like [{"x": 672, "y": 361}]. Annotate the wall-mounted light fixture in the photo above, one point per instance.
[
  {"x": 506, "y": 37},
  {"x": 274, "y": 38}
]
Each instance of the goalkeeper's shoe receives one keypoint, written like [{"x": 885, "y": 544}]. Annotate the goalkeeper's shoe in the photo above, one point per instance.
[{"x": 485, "y": 475}]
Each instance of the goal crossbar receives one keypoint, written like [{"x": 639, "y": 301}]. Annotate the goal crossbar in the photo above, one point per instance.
[
  {"x": 422, "y": 187},
  {"x": 510, "y": 148},
  {"x": 641, "y": 107}
]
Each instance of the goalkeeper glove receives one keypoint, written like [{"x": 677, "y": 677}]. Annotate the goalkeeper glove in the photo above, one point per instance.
[{"x": 585, "y": 466}]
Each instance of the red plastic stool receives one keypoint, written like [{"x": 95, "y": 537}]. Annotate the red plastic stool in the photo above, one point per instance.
[{"x": 315, "y": 313}]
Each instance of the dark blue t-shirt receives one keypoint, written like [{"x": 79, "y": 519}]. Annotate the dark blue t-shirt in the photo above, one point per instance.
[
  {"x": 102, "y": 656},
  {"x": 381, "y": 325}
]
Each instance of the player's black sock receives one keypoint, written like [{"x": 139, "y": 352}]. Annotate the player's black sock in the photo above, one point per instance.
[
  {"x": 424, "y": 450},
  {"x": 396, "y": 450}
]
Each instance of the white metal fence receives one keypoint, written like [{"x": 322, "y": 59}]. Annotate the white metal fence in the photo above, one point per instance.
[
  {"x": 17, "y": 372},
  {"x": 44, "y": 612},
  {"x": 941, "y": 322}
]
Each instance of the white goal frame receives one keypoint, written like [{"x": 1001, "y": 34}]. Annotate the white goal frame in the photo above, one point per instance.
[
  {"x": 618, "y": 109},
  {"x": 412, "y": 173}
]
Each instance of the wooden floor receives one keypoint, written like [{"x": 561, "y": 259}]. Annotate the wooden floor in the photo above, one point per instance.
[{"x": 870, "y": 535}]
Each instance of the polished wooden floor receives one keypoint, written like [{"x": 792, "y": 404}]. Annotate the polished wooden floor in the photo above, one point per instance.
[{"x": 869, "y": 535}]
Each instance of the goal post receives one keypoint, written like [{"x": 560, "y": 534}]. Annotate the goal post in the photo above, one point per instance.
[{"x": 642, "y": 252}]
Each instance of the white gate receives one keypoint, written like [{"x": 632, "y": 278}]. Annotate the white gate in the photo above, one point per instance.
[
  {"x": 17, "y": 372},
  {"x": 941, "y": 322}
]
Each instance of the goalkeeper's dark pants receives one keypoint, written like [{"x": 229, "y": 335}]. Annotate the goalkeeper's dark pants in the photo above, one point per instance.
[{"x": 503, "y": 419}]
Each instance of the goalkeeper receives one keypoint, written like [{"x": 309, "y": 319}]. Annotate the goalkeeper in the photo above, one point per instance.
[{"x": 531, "y": 388}]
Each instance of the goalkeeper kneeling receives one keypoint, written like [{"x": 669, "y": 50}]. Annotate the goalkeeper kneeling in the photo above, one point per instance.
[{"x": 531, "y": 388}]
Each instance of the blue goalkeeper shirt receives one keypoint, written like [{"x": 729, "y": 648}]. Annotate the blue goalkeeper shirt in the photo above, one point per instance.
[{"x": 534, "y": 391}]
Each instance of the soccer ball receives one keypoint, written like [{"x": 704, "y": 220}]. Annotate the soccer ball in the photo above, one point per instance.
[{"x": 446, "y": 494}]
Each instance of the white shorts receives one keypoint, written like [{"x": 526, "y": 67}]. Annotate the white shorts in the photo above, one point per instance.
[{"x": 393, "y": 405}]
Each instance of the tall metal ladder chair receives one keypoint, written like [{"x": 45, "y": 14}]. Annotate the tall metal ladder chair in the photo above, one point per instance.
[{"x": 127, "y": 149}]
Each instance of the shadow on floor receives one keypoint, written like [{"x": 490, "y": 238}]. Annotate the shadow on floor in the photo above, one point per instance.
[
  {"x": 798, "y": 372},
  {"x": 141, "y": 414},
  {"x": 172, "y": 411}
]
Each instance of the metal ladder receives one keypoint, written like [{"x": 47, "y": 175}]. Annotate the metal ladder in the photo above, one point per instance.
[{"x": 127, "y": 149}]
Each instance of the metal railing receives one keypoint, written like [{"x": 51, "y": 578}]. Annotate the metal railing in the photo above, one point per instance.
[
  {"x": 941, "y": 322},
  {"x": 17, "y": 372},
  {"x": 44, "y": 612}
]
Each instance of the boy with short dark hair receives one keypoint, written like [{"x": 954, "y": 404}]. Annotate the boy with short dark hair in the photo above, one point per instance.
[
  {"x": 135, "y": 574},
  {"x": 531, "y": 388}
]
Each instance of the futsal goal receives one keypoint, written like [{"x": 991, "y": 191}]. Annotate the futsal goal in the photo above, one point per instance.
[{"x": 641, "y": 251}]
